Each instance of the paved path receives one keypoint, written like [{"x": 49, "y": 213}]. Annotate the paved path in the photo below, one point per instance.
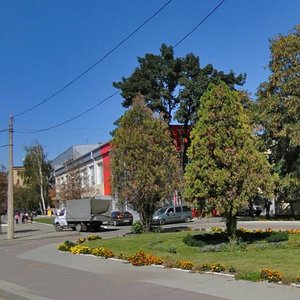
[
  {"x": 36, "y": 270},
  {"x": 32, "y": 268}
]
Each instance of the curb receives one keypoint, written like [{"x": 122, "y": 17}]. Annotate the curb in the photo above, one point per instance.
[{"x": 13, "y": 291}]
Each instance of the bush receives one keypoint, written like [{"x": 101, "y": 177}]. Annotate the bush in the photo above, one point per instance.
[
  {"x": 184, "y": 264},
  {"x": 205, "y": 267},
  {"x": 270, "y": 275},
  {"x": 298, "y": 279},
  {"x": 218, "y": 268},
  {"x": 65, "y": 246},
  {"x": 94, "y": 237},
  {"x": 103, "y": 252},
  {"x": 80, "y": 249},
  {"x": 145, "y": 259},
  {"x": 190, "y": 240},
  {"x": 81, "y": 240},
  {"x": 137, "y": 227},
  {"x": 277, "y": 237},
  {"x": 172, "y": 250}
]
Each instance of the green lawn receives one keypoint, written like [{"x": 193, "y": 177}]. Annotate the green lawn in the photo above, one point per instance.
[
  {"x": 246, "y": 262},
  {"x": 45, "y": 220}
]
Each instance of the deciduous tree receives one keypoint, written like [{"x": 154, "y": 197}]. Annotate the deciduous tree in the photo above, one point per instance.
[
  {"x": 279, "y": 111},
  {"x": 38, "y": 172},
  {"x": 144, "y": 161}
]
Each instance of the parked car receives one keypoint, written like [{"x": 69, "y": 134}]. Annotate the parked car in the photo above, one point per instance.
[
  {"x": 120, "y": 217},
  {"x": 256, "y": 211},
  {"x": 172, "y": 214}
]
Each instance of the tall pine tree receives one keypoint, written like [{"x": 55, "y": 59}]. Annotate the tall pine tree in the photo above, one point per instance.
[{"x": 225, "y": 169}]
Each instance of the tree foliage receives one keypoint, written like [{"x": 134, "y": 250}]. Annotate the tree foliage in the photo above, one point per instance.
[
  {"x": 3, "y": 189},
  {"x": 76, "y": 184},
  {"x": 38, "y": 171},
  {"x": 26, "y": 198},
  {"x": 279, "y": 111},
  {"x": 144, "y": 163},
  {"x": 173, "y": 86},
  {"x": 226, "y": 170}
]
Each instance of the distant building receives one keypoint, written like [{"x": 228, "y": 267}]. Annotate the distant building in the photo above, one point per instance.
[
  {"x": 92, "y": 160},
  {"x": 18, "y": 174}
]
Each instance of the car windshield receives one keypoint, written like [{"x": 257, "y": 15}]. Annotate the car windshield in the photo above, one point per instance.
[{"x": 161, "y": 211}]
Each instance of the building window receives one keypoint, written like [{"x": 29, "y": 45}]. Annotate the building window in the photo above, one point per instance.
[
  {"x": 91, "y": 174},
  {"x": 99, "y": 173}
]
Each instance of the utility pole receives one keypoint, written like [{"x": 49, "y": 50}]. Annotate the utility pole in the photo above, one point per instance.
[{"x": 10, "y": 192}]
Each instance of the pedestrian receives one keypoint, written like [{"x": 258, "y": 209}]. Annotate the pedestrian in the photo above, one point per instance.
[
  {"x": 17, "y": 217},
  {"x": 267, "y": 206}
]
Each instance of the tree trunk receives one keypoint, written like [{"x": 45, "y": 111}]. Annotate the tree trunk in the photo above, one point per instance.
[
  {"x": 231, "y": 225},
  {"x": 41, "y": 188}
]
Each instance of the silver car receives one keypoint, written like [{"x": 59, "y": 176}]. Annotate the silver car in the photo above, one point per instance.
[{"x": 172, "y": 214}]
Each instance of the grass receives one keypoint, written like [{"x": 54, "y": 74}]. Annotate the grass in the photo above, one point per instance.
[
  {"x": 45, "y": 220},
  {"x": 247, "y": 263}
]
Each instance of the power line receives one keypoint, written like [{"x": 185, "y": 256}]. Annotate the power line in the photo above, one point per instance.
[
  {"x": 99, "y": 103},
  {"x": 199, "y": 24},
  {"x": 3, "y": 130},
  {"x": 95, "y": 64},
  {"x": 71, "y": 119}
]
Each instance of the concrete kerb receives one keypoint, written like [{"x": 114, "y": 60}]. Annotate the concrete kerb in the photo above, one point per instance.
[{"x": 13, "y": 291}]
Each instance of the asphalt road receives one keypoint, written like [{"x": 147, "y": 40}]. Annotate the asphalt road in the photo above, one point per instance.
[{"x": 32, "y": 268}]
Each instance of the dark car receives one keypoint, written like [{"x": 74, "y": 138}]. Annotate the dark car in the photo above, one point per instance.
[
  {"x": 256, "y": 210},
  {"x": 120, "y": 217}
]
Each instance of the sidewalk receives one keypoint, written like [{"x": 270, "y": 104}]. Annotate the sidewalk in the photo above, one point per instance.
[{"x": 29, "y": 231}]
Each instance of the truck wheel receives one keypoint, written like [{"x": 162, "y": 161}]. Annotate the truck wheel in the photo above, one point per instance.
[
  {"x": 58, "y": 227},
  {"x": 78, "y": 227},
  {"x": 187, "y": 219}
]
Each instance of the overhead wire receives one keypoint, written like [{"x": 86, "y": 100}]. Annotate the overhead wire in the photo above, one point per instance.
[
  {"x": 109, "y": 97},
  {"x": 95, "y": 64},
  {"x": 71, "y": 119}
]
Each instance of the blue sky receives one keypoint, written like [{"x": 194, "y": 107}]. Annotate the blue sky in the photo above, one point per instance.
[{"x": 45, "y": 44}]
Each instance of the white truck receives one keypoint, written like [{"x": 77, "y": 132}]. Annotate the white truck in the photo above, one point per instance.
[{"x": 83, "y": 214}]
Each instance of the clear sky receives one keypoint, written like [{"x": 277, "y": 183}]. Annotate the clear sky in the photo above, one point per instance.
[{"x": 44, "y": 44}]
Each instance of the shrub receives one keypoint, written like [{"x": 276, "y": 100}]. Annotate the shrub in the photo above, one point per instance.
[
  {"x": 137, "y": 227},
  {"x": 184, "y": 264},
  {"x": 157, "y": 229},
  {"x": 145, "y": 259},
  {"x": 81, "y": 240},
  {"x": 216, "y": 229},
  {"x": 190, "y": 240},
  {"x": 277, "y": 237},
  {"x": 172, "y": 250},
  {"x": 206, "y": 267},
  {"x": 218, "y": 268},
  {"x": 298, "y": 279},
  {"x": 103, "y": 252},
  {"x": 94, "y": 237},
  {"x": 65, "y": 246},
  {"x": 80, "y": 249},
  {"x": 169, "y": 263},
  {"x": 270, "y": 275}
]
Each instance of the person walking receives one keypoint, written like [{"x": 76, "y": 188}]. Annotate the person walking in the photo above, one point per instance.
[{"x": 17, "y": 217}]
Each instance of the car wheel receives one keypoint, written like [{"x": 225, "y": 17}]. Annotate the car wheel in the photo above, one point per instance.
[
  {"x": 187, "y": 219},
  {"x": 58, "y": 227},
  {"x": 162, "y": 222},
  {"x": 78, "y": 227}
]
